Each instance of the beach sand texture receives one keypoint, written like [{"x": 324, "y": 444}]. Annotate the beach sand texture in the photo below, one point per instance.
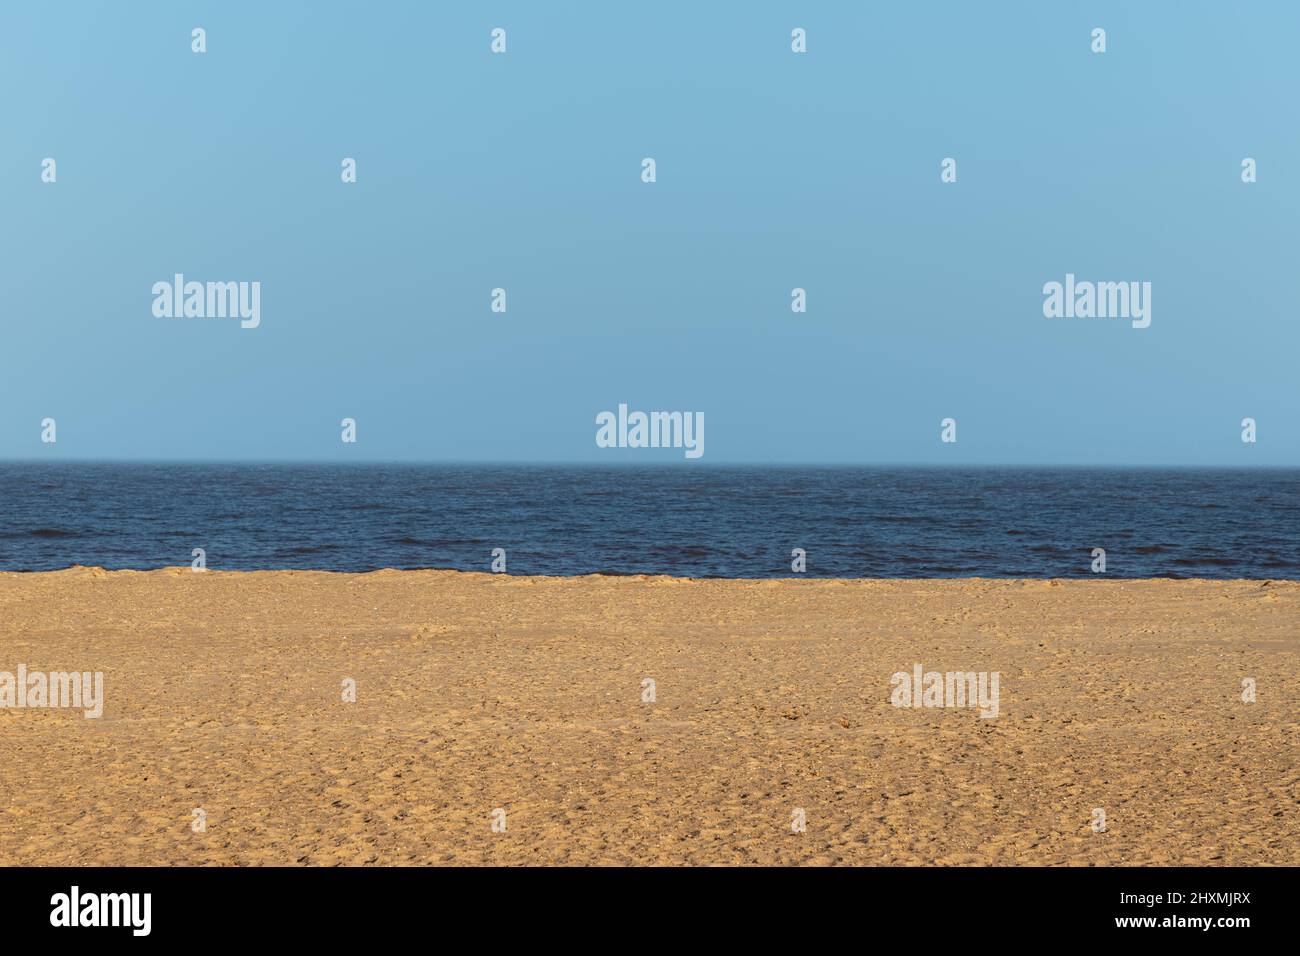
[{"x": 478, "y": 691}]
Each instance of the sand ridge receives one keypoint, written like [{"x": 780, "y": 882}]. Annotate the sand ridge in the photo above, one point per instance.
[{"x": 223, "y": 691}]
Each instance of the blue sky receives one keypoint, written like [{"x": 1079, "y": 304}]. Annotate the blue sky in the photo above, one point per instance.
[{"x": 774, "y": 171}]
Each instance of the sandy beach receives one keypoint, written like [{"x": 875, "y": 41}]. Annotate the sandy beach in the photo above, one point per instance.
[{"x": 770, "y": 706}]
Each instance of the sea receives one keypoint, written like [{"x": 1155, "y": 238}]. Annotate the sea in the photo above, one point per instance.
[{"x": 682, "y": 520}]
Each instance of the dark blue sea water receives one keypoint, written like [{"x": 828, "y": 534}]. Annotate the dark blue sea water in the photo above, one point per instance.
[{"x": 688, "y": 521}]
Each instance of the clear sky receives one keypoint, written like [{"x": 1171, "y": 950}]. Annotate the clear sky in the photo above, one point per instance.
[{"x": 775, "y": 170}]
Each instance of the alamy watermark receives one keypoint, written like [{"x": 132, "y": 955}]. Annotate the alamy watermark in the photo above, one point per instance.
[
  {"x": 211, "y": 300},
  {"x": 75, "y": 908},
  {"x": 653, "y": 430},
  {"x": 1098, "y": 300},
  {"x": 923, "y": 688},
  {"x": 82, "y": 691}
]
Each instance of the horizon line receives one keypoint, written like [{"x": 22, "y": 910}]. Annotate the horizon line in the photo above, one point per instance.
[{"x": 675, "y": 464}]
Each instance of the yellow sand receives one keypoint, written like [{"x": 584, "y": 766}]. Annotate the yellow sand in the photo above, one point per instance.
[{"x": 477, "y": 692}]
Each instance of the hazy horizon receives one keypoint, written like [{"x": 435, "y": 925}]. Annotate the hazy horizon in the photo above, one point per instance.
[{"x": 632, "y": 462}]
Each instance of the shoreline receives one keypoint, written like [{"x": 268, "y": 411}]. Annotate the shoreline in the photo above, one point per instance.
[{"x": 94, "y": 570}]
